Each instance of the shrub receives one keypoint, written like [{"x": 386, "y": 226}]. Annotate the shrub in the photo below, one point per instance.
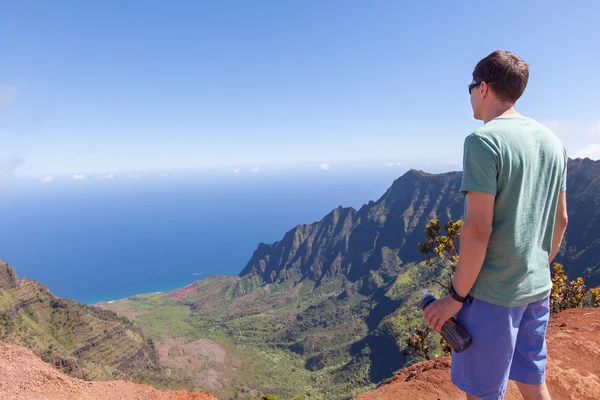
[
  {"x": 566, "y": 294},
  {"x": 417, "y": 344},
  {"x": 595, "y": 296}
]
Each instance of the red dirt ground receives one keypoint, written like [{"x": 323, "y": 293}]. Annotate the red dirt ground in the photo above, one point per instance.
[
  {"x": 26, "y": 377},
  {"x": 573, "y": 371}
]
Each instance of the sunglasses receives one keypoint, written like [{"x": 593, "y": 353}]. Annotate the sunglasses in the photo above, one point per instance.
[{"x": 473, "y": 86}]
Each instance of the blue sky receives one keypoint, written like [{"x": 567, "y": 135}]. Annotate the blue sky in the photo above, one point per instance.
[{"x": 95, "y": 87}]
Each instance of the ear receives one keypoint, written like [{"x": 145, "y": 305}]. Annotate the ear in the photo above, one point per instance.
[{"x": 484, "y": 89}]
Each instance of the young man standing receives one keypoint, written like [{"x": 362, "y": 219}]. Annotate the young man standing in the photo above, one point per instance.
[{"x": 515, "y": 217}]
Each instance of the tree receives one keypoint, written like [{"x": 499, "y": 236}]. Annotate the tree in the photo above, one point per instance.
[
  {"x": 417, "y": 344},
  {"x": 442, "y": 249}
]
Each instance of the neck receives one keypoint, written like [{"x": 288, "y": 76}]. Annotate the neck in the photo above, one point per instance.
[{"x": 499, "y": 110}]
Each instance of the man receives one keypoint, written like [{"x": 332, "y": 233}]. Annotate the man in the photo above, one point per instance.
[{"x": 515, "y": 217}]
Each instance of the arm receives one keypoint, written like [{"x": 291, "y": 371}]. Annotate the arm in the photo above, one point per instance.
[
  {"x": 560, "y": 225},
  {"x": 479, "y": 183},
  {"x": 474, "y": 240}
]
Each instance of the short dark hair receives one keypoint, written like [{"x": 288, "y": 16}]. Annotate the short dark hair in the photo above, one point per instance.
[{"x": 505, "y": 72}]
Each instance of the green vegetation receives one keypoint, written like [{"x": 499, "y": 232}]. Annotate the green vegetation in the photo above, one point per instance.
[
  {"x": 270, "y": 336},
  {"x": 306, "y": 339}
]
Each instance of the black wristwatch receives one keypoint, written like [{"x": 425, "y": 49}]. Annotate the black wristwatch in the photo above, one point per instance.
[{"x": 456, "y": 296}]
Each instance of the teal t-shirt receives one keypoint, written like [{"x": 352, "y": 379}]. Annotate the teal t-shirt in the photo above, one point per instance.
[{"x": 524, "y": 165}]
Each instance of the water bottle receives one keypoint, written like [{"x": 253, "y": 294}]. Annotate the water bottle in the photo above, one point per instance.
[{"x": 454, "y": 334}]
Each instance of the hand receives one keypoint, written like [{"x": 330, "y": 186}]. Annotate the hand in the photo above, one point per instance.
[{"x": 440, "y": 311}]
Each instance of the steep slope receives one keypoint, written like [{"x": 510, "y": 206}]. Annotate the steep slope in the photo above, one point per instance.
[
  {"x": 83, "y": 341},
  {"x": 581, "y": 250},
  {"x": 351, "y": 243},
  {"x": 26, "y": 377},
  {"x": 311, "y": 251},
  {"x": 573, "y": 369}
]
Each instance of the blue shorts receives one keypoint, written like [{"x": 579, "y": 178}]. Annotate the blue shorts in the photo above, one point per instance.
[{"x": 508, "y": 343}]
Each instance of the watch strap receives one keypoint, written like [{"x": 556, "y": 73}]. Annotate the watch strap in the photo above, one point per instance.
[{"x": 456, "y": 296}]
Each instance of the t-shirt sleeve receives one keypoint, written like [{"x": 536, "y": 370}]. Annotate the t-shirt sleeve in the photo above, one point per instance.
[
  {"x": 563, "y": 181},
  {"x": 480, "y": 166}
]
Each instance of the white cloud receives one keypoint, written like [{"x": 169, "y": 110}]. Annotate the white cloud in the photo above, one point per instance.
[
  {"x": 254, "y": 170},
  {"x": 325, "y": 167},
  {"x": 47, "y": 179},
  {"x": 134, "y": 176},
  {"x": 236, "y": 171},
  {"x": 163, "y": 175},
  {"x": 109, "y": 176},
  {"x": 399, "y": 164},
  {"x": 390, "y": 164},
  {"x": 592, "y": 151},
  {"x": 78, "y": 177}
]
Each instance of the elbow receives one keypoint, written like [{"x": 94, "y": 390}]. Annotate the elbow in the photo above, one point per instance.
[
  {"x": 563, "y": 220},
  {"x": 481, "y": 232}
]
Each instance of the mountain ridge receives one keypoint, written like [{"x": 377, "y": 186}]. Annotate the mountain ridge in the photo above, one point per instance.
[
  {"x": 351, "y": 249},
  {"x": 408, "y": 205}
]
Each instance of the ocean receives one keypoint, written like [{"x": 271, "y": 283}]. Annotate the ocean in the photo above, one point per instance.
[{"x": 104, "y": 239}]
